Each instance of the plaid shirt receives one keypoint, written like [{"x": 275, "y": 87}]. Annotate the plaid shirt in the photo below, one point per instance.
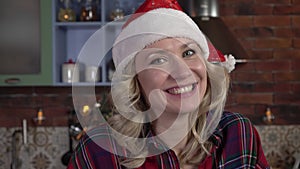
[{"x": 236, "y": 145}]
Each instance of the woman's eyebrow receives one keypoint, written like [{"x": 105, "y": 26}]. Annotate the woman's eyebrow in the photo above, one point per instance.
[
  {"x": 157, "y": 53},
  {"x": 186, "y": 45},
  {"x": 149, "y": 54}
]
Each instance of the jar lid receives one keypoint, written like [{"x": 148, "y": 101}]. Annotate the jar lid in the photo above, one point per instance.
[{"x": 70, "y": 61}]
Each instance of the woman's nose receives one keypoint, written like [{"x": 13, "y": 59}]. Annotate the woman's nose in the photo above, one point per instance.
[{"x": 179, "y": 70}]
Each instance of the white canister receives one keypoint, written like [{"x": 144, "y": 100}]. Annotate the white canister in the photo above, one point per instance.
[
  {"x": 70, "y": 72},
  {"x": 92, "y": 74}
]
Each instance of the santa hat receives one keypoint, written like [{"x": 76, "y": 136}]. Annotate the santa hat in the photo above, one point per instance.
[{"x": 155, "y": 20}]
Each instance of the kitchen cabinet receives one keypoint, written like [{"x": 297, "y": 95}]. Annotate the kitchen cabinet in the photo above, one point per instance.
[
  {"x": 25, "y": 51},
  {"x": 87, "y": 40}
]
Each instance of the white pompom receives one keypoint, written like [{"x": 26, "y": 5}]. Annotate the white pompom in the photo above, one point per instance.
[{"x": 229, "y": 64}]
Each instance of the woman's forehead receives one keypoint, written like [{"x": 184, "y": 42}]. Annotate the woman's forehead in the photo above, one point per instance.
[
  {"x": 168, "y": 46},
  {"x": 170, "y": 42}
]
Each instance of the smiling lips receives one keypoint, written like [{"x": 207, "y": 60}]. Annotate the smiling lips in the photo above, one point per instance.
[{"x": 182, "y": 90}]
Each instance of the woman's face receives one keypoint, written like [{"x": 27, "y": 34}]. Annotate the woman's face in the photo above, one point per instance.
[{"x": 172, "y": 75}]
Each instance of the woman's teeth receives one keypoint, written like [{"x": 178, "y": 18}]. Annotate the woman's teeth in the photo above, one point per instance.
[{"x": 181, "y": 90}]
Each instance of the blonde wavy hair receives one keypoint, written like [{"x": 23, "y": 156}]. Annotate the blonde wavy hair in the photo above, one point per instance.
[{"x": 132, "y": 102}]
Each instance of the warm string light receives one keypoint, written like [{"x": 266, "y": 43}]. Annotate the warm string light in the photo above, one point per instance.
[{"x": 66, "y": 17}]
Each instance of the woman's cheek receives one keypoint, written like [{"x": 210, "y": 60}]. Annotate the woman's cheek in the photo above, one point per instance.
[{"x": 151, "y": 79}]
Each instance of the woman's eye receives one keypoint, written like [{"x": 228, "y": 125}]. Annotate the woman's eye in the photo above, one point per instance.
[
  {"x": 158, "y": 61},
  {"x": 188, "y": 53}
]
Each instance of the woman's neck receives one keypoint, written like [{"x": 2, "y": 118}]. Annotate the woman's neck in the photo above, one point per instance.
[{"x": 173, "y": 130}]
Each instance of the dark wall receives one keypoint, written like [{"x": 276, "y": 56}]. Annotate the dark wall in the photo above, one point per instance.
[
  {"x": 18, "y": 103},
  {"x": 269, "y": 30}
]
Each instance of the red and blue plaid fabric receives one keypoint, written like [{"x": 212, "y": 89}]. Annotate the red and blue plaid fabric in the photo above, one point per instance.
[{"x": 236, "y": 146}]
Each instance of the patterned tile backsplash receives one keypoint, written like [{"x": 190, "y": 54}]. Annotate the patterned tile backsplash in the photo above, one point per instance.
[
  {"x": 46, "y": 145},
  {"x": 280, "y": 144},
  {"x": 44, "y": 149}
]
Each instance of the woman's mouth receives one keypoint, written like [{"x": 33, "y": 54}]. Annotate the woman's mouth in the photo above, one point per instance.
[{"x": 182, "y": 90}]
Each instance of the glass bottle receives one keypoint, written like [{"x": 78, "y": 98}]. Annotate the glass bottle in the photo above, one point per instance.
[
  {"x": 66, "y": 13},
  {"x": 89, "y": 11},
  {"x": 117, "y": 13}
]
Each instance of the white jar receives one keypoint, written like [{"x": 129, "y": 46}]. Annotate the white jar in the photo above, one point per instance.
[
  {"x": 92, "y": 74},
  {"x": 70, "y": 72}
]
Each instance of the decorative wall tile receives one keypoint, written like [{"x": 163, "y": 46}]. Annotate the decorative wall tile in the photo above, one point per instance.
[
  {"x": 280, "y": 144},
  {"x": 45, "y": 147},
  {"x": 5, "y": 144}
]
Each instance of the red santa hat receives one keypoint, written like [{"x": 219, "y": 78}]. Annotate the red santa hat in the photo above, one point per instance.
[{"x": 155, "y": 20}]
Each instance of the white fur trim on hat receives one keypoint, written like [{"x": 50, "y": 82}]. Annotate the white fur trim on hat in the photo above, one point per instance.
[
  {"x": 229, "y": 63},
  {"x": 152, "y": 26}
]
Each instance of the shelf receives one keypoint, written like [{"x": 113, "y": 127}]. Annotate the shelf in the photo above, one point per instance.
[
  {"x": 115, "y": 23},
  {"x": 83, "y": 84},
  {"x": 78, "y": 24},
  {"x": 82, "y": 41}
]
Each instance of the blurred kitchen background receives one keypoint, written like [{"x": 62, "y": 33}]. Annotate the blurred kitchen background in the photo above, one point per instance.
[{"x": 41, "y": 40}]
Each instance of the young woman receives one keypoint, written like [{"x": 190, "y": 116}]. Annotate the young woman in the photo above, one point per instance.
[{"x": 169, "y": 95}]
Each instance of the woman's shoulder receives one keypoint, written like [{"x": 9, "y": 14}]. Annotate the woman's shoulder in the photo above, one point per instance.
[
  {"x": 233, "y": 126},
  {"x": 100, "y": 138},
  {"x": 237, "y": 143},
  {"x": 94, "y": 149},
  {"x": 231, "y": 119}
]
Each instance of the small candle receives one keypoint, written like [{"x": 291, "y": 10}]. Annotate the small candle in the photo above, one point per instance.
[
  {"x": 24, "y": 131},
  {"x": 40, "y": 116}
]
